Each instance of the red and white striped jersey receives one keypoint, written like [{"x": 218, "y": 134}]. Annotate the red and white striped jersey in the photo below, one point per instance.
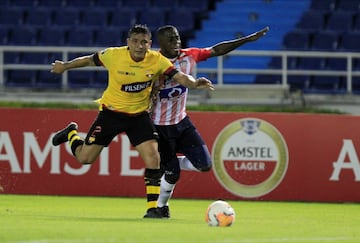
[{"x": 169, "y": 107}]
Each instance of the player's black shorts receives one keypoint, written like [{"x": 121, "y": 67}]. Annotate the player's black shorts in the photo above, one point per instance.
[{"x": 139, "y": 128}]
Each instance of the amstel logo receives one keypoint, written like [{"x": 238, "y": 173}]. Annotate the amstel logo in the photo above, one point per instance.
[{"x": 250, "y": 157}]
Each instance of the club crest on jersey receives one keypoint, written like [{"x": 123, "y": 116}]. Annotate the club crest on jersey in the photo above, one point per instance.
[
  {"x": 166, "y": 94},
  {"x": 149, "y": 74}
]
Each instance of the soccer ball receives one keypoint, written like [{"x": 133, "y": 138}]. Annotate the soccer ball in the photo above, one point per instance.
[{"x": 220, "y": 213}]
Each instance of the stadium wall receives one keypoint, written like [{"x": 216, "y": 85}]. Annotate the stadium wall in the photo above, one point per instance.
[{"x": 257, "y": 156}]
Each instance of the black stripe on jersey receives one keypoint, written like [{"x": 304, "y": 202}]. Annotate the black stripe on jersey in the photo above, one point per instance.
[
  {"x": 96, "y": 60},
  {"x": 171, "y": 72}
]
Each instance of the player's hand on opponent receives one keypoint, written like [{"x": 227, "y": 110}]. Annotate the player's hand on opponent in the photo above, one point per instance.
[
  {"x": 258, "y": 34},
  {"x": 58, "y": 67},
  {"x": 204, "y": 83}
]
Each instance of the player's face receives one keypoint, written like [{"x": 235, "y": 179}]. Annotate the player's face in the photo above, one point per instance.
[
  {"x": 138, "y": 45},
  {"x": 170, "y": 43}
]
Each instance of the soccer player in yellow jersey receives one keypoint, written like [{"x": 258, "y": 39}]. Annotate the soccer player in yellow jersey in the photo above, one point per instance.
[{"x": 132, "y": 71}]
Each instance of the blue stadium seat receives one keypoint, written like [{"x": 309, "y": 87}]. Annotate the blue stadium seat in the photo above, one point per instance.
[
  {"x": 95, "y": 18},
  {"x": 12, "y": 57},
  {"x": 268, "y": 79},
  {"x": 356, "y": 84},
  {"x": 22, "y": 36},
  {"x": 35, "y": 58},
  {"x": 336, "y": 64},
  {"x": 312, "y": 20},
  {"x": 153, "y": 18},
  {"x": 348, "y": 5},
  {"x": 20, "y": 78},
  {"x": 298, "y": 82},
  {"x": 138, "y": 5},
  {"x": 51, "y": 4},
  {"x": 198, "y": 6},
  {"x": 109, "y": 4},
  {"x": 80, "y": 3},
  {"x": 340, "y": 21},
  {"x": 325, "y": 41},
  {"x": 165, "y": 5},
  {"x": 46, "y": 79},
  {"x": 79, "y": 37},
  {"x": 4, "y": 35},
  {"x": 123, "y": 19},
  {"x": 311, "y": 63},
  {"x": 23, "y": 3},
  {"x": 350, "y": 41},
  {"x": 38, "y": 17},
  {"x": 51, "y": 36},
  {"x": 100, "y": 80},
  {"x": 356, "y": 26},
  {"x": 11, "y": 16},
  {"x": 66, "y": 17},
  {"x": 80, "y": 79},
  {"x": 325, "y": 84},
  {"x": 109, "y": 37},
  {"x": 182, "y": 19},
  {"x": 296, "y": 40},
  {"x": 323, "y": 5}
]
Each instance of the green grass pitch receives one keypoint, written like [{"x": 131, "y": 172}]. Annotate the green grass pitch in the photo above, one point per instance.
[{"x": 60, "y": 219}]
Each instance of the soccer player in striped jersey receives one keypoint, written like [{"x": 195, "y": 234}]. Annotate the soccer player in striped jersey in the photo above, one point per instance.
[
  {"x": 123, "y": 107},
  {"x": 176, "y": 131}
]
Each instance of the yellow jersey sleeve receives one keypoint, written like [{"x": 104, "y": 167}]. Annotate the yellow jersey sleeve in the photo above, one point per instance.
[{"x": 129, "y": 82}]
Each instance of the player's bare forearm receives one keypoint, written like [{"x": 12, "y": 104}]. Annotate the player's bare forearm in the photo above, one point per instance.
[
  {"x": 190, "y": 82},
  {"x": 225, "y": 47},
  {"x": 61, "y": 66}
]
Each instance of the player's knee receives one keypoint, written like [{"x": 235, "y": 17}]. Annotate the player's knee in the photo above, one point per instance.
[
  {"x": 172, "y": 177},
  {"x": 205, "y": 168}
]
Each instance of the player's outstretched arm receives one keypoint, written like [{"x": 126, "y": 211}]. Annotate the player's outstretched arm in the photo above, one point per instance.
[
  {"x": 61, "y": 66},
  {"x": 225, "y": 47},
  {"x": 190, "y": 82}
]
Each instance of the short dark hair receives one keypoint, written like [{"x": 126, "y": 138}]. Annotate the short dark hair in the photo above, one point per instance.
[
  {"x": 139, "y": 29},
  {"x": 163, "y": 29}
]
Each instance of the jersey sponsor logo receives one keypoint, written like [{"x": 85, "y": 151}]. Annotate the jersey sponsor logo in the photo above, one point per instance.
[
  {"x": 250, "y": 157},
  {"x": 173, "y": 92},
  {"x": 136, "y": 87}
]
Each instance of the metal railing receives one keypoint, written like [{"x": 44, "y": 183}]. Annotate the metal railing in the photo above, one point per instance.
[{"x": 219, "y": 70}]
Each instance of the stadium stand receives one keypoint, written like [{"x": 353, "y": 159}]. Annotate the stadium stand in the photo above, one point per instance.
[{"x": 307, "y": 25}]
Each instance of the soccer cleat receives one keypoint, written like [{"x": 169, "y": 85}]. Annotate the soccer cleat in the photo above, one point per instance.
[
  {"x": 152, "y": 213},
  {"x": 62, "y": 135},
  {"x": 164, "y": 211}
]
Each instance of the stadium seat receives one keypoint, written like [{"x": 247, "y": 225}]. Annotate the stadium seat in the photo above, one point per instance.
[
  {"x": 80, "y": 79},
  {"x": 4, "y": 35},
  {"x": 312, "y": 20},
  {"x": 23, "y": 3},
  {"x": 109, "y": 37},
  {"x": 12, "y": 57},
  {"x": 79, "y": 37},
  {"x": 182, "y": 19},
  {"x": 348, "y": 5},
  {"x": 22, "y": 36},
  {"x": 296, "y": 40},
  {"x": 95, "y": 18},
  {"x": 138, "y": 5},
  {"x": 298, "y": 82},
  {"x": 340, "y": 21},
  {"x": 51, "y": 4},
  {"x": 80, "y": 3},
  {"x": 46, "y": 79},
  {"x": 100, "y": 80},
  {"x": 325, "y": 41},
  {"x": 108, "y": 4},
  {"x": 350, "y": 41},
  {"x": 11, "y": 17},
  {"x": 51, "y": 36},
  {"x": 153, "y": 18},
  {"x": 164, "y": 5},
  {"x": 311, "y": 63},
  {"x": 66, "y": 17},
  {"x": 336, "y": 64},
  {"x": 325, "y": 84},
  {"x": 35, "y": 58},
  {"x": 268, "y": 79},
  {"x": 20, "y": 78},
  {"x": 198, "y": 6},
  {"x": 355, "y": 84},
  {"x": 323, "y": 5},
  {"x": 38, "y": 17},
  {"x": 122, "y": 19}
]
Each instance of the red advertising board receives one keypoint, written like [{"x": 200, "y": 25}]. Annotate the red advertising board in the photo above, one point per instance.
[{"x": 257, "y": 156}]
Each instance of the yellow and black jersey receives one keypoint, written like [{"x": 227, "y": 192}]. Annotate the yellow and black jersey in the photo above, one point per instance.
[{"x": 130, "y": 83}]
